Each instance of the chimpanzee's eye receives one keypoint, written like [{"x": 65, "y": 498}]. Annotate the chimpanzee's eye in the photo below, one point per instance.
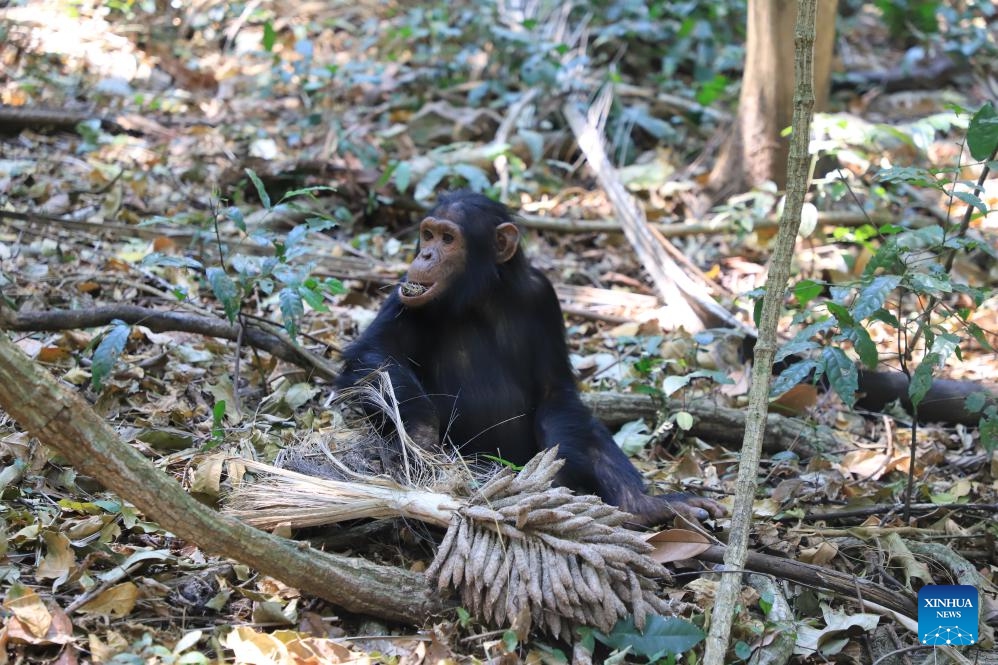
[
  {"x": 448, "y": 238},
  {"x": 427, "y": 235}
]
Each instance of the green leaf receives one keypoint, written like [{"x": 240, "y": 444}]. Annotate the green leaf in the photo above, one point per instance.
[
  {"x": 715, "y": 375},
  {"x": 743, "y": 650},
  {"x": 403, "y": 176},
  {"x": 217, "y": 423},
  {"x": 841, "y": 314},
  {"x": 684, "y": 420},
  {"x": 170, "y": 261},
  {"x": 766, "y": 602},
  {"x": 908, "y": 175},
  {"x": 225, "y": 290},
  {"x": 884, "y": 316},
  {"x": 976, "y": 402},
  {"x": 333, "y": 286},
  {"x": 632, "y": 437},
  {"x": 672, "y": 383},
  {"x": 921, "y": 379},
  {"x": 292, "y": 309},
  {"x": 933, "y": 285},
  {"x": 864, "y": 346},
  {"x": 807, "y": 290},
  {"x": 313, "y": 298},
  {"x": 982, "y": 133},
  {"x": 269, "y": 37},
  {"x": 107, "y": 353},
  {"x": 797, "y": 373},
  {"x": 261, "y": 191},
  {"x": 661, "y": 637},
  {"x": 477, "y": 180},
  {"x": 320, "y": 223},
  {"x": 944, "y": 345},
  {"x": 988, "y": 429},
  {"x": 972, "y": 201},
  {"x": 795, "y": 347},
  {"x": 842, "y": 374},
  {"x": 430, "y": 182},
  {"x": 873, "y": 296},
  {"x": 307, "y": 191},
  {"x": 236, "y": 215},
  {"x": 980, "y": 336},
  {"x": 295, "y": 236}
]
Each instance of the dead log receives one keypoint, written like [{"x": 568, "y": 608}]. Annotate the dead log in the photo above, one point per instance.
[{"x": 716, "y": 424}]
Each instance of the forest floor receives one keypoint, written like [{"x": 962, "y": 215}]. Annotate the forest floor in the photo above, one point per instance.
[{"x": 231, "y": 139}]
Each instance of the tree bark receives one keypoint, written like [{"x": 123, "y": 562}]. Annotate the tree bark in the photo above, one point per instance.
[
  {"x": 61, "y": 419},
  {"x": 765, "y": 348},
  {"x": 755, "y": 150}
]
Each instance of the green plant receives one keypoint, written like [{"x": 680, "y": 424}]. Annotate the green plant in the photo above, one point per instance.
[
  {"x": 283, "y": 273},
  {"x": 906, "y": 262},
  {"x": 663, "y": 640},
  {"x": 146, "y": 650}
]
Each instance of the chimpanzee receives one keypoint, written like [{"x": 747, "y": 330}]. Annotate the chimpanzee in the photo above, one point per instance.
[{"x": 474, "y": 342}]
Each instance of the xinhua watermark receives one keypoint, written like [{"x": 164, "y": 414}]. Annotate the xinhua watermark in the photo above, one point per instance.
[{"x": 947, "y": 614}]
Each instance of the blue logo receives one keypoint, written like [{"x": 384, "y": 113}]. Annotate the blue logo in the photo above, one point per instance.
[{"x": 947, "y": 614}]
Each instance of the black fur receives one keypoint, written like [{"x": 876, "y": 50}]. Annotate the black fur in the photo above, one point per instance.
[{"x": 487, "y": 367}]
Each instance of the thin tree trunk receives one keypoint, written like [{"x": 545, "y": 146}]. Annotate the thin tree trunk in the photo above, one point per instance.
[{"x": 765, "y": 349}]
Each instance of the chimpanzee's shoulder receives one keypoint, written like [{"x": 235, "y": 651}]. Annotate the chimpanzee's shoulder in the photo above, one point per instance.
[{"x": 539, "y": 287}]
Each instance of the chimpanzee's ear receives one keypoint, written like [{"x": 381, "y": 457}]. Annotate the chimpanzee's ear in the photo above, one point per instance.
[{"x": 507, "y": 241}]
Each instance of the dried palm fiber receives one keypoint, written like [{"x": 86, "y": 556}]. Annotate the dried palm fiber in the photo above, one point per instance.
[{"x": 516, "y": 548}]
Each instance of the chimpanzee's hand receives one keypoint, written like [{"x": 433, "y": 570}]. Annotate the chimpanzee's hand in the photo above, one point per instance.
[
  {"x": 693, "y": 507},
  {"x": 655, "y": 510}
]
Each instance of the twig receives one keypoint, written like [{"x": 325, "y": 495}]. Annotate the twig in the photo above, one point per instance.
[{"x": 271, "y": 341}]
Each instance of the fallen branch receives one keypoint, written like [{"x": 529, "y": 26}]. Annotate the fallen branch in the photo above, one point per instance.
[
  {"x": 679, "y": 291},
  {"x": 62, "y": 420},
  {"x": 715, "y": 423},
  {"x": 845, "y": 585},
  {"x": 15, "y": 118},
  {"x": 272, "y": 341},
  {"x": 679, "y": 228}
]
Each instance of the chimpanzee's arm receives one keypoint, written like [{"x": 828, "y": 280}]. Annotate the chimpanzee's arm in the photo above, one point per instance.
[
  {"x": 593, "y": 461},
  {"x": 384, "y": 346}
]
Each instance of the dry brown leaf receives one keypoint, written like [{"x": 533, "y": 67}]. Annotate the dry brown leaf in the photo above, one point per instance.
[
  {"x": 821, "y": 555},
  {"x": 30, "y": 611},
  {"x": 59, "y": 557},
  {"x": 797, "y": 400},
  {"x": 105, "y": 649},
  {"x": 118, "y": 600},
  {"x": 59, "y": 629},
  {"x": 208, "y": 475},
  {"x": 286, "y": 647},
  {"x": 676, "y": 545}
]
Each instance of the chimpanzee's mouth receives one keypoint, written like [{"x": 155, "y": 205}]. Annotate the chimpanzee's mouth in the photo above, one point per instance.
[
  {"x": 413, "y": 289},
  {"x": 414, "y": 294}
]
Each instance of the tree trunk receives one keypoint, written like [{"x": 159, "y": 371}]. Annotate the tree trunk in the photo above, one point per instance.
[
  {"x": 726, "y": 598},
  {"x": 755, "y": 150}
]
